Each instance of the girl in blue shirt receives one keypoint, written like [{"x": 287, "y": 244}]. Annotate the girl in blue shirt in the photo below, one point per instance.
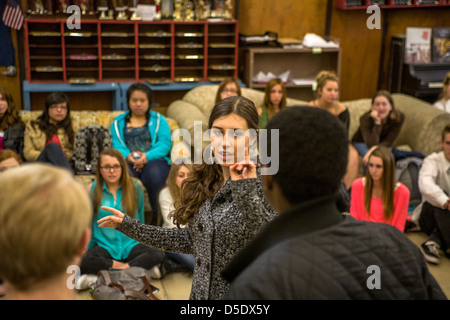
[
  {"x": 143, "y": 137},
  {"x": 108, "y": 248}
]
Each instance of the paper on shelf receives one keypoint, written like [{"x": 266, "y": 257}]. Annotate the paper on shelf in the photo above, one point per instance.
[
  {"x": 263, "y": 77},
  {"x": 303, "y": 82},
  {"x": 312, "y": 40}
]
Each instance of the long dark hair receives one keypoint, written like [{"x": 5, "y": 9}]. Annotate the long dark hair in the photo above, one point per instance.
[
  {"x": 11, "y": 115},
  {"x": 205, "y": 179},
  {"x": 50, "y": 129},
  {"x": 395, "y": 114}
]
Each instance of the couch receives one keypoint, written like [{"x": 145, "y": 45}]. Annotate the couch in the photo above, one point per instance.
[
  {"x": 421, "y": 130},
  {"x": 104, "y": 118}
]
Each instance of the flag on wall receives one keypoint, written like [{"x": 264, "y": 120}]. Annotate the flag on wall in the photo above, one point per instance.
[{"x": 12, "y": 15}]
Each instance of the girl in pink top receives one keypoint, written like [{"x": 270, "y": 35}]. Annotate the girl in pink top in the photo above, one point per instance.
[{"x": 377, "y": 197}]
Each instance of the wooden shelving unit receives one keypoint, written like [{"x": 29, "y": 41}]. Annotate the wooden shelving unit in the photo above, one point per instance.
[
  {"x": 158, "y": 52},
  {"x": 390, "y": 4},
  {"x": 303, "y": 64}
]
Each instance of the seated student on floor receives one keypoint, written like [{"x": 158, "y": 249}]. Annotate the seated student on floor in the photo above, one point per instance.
[
  {"x": 50, "y": 138},
  {"x": 381, "y": 125},
  {"x": 434, "y": 185},
  {"x": 378, "y": 197},
  {"x": 110, "y": 249},
  {"x": 168, "y": 198}
]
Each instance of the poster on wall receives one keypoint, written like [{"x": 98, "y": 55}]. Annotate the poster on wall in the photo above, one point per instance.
[
  {"x": 418, "y": 45},
  {"x": 441, "y": 45}
]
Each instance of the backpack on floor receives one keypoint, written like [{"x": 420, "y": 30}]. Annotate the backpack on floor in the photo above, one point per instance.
[
  {"x": 127, "y": 284},
  {"x": 89, "y": 142},
  {"x": 407, "y": 172}
]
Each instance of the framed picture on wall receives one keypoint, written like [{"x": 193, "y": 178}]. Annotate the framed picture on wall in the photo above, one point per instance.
[{"x": 418, "y": 45}]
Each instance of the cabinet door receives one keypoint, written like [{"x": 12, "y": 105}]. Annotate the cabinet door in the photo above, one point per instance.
[
  {"x": 118, "y": 53},
  {"x": 222, "y": 51},
  {"x": 82, "y": 53},
  {"x": 155, "y": 52},
  {"x": 45, "y": 58},
  {"x": 189, "y": 52}
]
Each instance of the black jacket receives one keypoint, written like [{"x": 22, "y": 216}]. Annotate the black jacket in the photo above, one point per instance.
[
  {"x": 13, "y": 138},
  {"x": 314, "y": 252}
]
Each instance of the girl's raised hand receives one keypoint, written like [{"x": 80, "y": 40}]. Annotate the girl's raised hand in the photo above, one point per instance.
[
  {"x": 112, "y": 221},
  {"x": 243, "y": 170}
]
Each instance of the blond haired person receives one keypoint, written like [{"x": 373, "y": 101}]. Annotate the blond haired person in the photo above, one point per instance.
[
  {"x": 327, "y": 98},
  {"x": 444, "y": 98},
  {"x": 45, "y": 228}
]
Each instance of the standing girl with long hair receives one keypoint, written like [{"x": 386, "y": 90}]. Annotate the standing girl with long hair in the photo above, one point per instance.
[
  {"x": 378, "y": 197},
  {"x": 222, "y": 203}
]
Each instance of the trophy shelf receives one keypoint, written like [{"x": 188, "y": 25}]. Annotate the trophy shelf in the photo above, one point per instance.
[
  {"x": 158, "y": 52},
  {"x": 390, "y": 4}
]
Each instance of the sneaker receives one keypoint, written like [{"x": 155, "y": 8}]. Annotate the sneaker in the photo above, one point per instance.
[{"x": 430, "y": 250}]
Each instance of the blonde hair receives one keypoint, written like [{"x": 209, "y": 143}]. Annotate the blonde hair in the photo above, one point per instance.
[
  {"x": 44, "y": 214},
  {"x": 322, "y": 78},
  {"x": 446, "y": 83},
  {"x": 172, "y": 177}
]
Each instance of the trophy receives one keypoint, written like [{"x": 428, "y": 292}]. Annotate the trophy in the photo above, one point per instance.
[
  {"x": 103, "y": 8},
  {"x": 227, "y": 7},
  {"x": 61, "y": 6},
  {"x": 120, "y": 8},
  {"x": 166, "y": 9},
  {"x": 132, "y": 8}
]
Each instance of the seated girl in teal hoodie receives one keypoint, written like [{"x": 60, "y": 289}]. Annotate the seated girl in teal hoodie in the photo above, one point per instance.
[{"x": 143, "y": 137}]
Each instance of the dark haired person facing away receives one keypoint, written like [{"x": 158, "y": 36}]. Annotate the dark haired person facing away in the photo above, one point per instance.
[{"x": 311, "y": 250}]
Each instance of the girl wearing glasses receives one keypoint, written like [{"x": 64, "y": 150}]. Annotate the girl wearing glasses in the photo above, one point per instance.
[
  {"x": 377, "y": 197},
  {"x": 50, "y": 138},
  {"x": 229, "y": 87},
  {"x": 110, "y": 249}
]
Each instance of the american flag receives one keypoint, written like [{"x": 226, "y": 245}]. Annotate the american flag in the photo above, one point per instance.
[{"x": 13, "y": 16}]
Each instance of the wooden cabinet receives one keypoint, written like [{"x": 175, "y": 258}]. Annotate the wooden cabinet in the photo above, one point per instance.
[
  {"x": 158, "y": 52},
  {"x": 303, "y": 64},
  {"x": 390, "y": 4}
]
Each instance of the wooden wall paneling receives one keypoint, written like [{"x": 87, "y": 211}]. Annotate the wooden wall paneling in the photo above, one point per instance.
[
  {"x": 360, "y": 53},
  {"x": 289, "y": 18}
]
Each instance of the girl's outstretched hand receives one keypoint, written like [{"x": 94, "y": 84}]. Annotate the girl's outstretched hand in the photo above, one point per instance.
[{"x": 112, "y": 221}]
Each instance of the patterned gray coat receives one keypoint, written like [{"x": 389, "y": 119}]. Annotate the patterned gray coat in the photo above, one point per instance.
[{"x": 220, "y": 229}]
